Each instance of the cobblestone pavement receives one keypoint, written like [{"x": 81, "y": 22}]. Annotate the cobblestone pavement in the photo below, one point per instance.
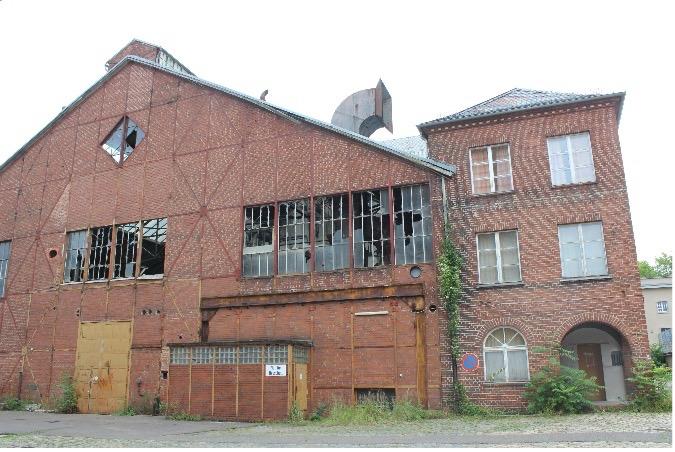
[{"x": 592, "y": 430}]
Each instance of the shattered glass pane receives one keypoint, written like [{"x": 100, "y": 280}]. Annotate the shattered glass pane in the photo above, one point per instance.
[
  {"x": 412, "y": 224},
  {"x": 125, "y": 250},
  {"x": 153, "y": 247},
  {"x": 99, "y": 254},
  {"x": 118, "y": 148},
  {"x": 371, "y": 228}
]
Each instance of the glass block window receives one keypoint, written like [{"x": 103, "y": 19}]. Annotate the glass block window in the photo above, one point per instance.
[
  {"x": 202, "y": 355},
  {"x": 276, "y": 354},
  {"x": 505, "y": 356},
  {"x": 294, "y": 251},
  {"x": 99, "y": 253},
  {"x": 180, "y": 356},
  {"x": 126, "y": 245},
  {"x": 498, "y": 257},
  {"x": 250, "y": 354},
  {"x": 75, "y": 255},
  {"x": 153, "y": 247},
  {"x": 225, "y": 355},
  {"x": 412, "y": 224},
  {"x": 491, "y": 169},
  {"x": 300, "y": 355},
  {"x": 582, "y": 250},
  {"x": 123, "y": 139},
  {"x": 571, "y": 159},
  {"x": 258, "y": 256},
  {"x": 331, "y": 232},
  {"x": 371, "y": 228},
  {"x": 5, "y": 251}
]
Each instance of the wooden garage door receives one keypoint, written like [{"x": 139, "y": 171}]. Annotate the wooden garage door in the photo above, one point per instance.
[{"x": 102, "y": 366}]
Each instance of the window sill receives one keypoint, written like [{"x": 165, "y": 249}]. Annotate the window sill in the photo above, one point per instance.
[
  {"x": 506, "y": 383},
  {"x": 500, "y": 285},
  {"x": 496, "y": 193},
  {"x": 161, "y": 276},
  {"x": 585, "y": 279},
  {"x": 578, "y": 184}
]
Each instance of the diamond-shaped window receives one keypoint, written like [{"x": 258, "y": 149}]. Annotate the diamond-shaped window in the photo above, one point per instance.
[{"x": 123, "y": 139}]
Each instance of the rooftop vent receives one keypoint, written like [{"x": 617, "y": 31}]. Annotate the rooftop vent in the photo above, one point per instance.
[{"x": 365, "y": 111}]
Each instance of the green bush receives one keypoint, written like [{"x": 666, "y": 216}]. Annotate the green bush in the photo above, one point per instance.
[
  {"x": 658, "y": 357},
  {"x": 295, "y": 414},
  {"x": 128, "y": 411},
  {"x": 67, "y": 402},
  {"x": 13, "y": 404},
  {"x": 560, "y": 389},
  {"x": 653, "y": 387},
  {"x": 319, "y": 412}
]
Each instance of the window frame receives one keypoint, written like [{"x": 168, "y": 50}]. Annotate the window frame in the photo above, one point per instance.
[
  {"x": 500, "y": 277},
  {"x": 427, "y": 254},
  {"x": 505, "y": 350},
  {"x": 4, "y": 268},
  {"x": 570, "y": 158},
  {"x": 112, "y": 253},
  {"x": 580, "y": 236},
  {"x": 660, "y": 310},
  {"x": 124, "y": 123},
  {"x": 275, "y": 214},
  {"x": 493, "y": 190}
]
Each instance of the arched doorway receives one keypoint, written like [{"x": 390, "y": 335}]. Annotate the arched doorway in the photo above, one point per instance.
[{"x": 601, "y": 351}]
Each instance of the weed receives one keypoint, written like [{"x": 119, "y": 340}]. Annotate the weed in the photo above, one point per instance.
[
  {"x": 370, "y": 411},
  {"x": 128, "y": 411},
  {"x": 183, "y": 416},
  {"x": 652, "y": 388},
  {"x": 295, "y": 414},
  {"x": 13, "y": 404},
  {"x": 67, "y": 402}
]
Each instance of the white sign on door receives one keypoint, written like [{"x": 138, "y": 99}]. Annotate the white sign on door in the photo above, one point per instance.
[{"x": 275, "y": 370}]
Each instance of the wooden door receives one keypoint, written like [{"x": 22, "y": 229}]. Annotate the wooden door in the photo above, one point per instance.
[
  {"x": 300, "y": 386},
  {"x": 102, "y": 366},
  {"x": 590, "y": 361}
]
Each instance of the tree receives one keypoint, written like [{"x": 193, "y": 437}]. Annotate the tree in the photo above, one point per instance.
[{"x": 663, "y": 268}]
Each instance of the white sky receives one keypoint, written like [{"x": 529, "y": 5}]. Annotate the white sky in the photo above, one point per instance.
[{"x": 435, "y": 58}]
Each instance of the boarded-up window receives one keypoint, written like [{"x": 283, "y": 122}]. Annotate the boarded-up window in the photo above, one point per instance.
[
  {"x": 294, "y": 250},
  {"x": 5, "y": 249},
  {"x": 371, "y": 228},
  {"x": 276, "y": 354},
  {"x": 250, "y": 354},
  {"x": 258, "y": 256},
  {"x": 75, "y": 254},
  {"x": 99, "y": 253},
  {"x": 125, "y": 250},
  {"x": 412, "y": 224},
  {"x": 331, "y": 232},
  {"x": 153, "y": 247}
]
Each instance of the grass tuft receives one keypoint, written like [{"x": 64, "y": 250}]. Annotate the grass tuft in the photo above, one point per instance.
[{"x": 370, "y": 412}]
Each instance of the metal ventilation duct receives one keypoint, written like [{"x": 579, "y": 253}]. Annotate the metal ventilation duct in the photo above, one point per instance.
[{"x": 365, "y": 111}]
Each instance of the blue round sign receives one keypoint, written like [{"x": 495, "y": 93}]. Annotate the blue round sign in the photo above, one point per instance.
[{"x": 470, "y": 361}]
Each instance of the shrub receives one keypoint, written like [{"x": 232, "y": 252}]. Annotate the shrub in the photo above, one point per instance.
[
  {"x": 658, "y": 357},
  {"x": 319, "y": 412},
  {"x": 653, "y": 387},
  {"x": 560, "y": 389},
  {"x": 67, "y": 402},
  {"x": 128, "y": 411},
  {"x": 295, "y": 414},
  {"x": 13, "y": 404}
]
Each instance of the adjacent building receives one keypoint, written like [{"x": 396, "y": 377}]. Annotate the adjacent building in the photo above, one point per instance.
[
  {"x": 658, "y": 295},
  {"x": 167, "y": 237}
]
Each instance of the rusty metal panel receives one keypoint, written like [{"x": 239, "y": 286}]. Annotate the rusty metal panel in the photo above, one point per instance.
[{"x": 102, "y": 366}]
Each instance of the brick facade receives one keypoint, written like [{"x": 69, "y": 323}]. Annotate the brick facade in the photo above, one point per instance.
[{"x": 204, "y": 157}]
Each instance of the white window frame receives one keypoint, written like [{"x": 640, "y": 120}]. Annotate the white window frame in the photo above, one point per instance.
[
  {"x": 490, "y": 168},
  {"x": 505, "y": 349},
  {"x": 500, "y": 276},
  {"x": 580, "y": 233},
  {"x": 570, "y": 158},
  {"x": 662, "y": 307}
]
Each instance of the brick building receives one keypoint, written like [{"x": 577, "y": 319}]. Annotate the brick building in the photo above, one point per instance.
[{"x": 168, "y": 237}]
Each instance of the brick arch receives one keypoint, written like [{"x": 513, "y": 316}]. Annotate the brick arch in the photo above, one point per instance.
[
  {"x": 593, "y": 317},
  {"x": 517, "y": 324}
]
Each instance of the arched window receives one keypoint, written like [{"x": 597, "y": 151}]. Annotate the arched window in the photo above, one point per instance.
[{"x": 505, "y": 356}]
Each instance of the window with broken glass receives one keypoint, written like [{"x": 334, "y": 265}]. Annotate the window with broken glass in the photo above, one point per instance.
[
  {"x": 99, "y": 253},
  {"x": 153, "y": 247},
  {"x": 5, "y": 249},
  {"x": 331, "y": 232},
  {"x": 123, "y": 139},
  {"x": 126, "y": 246},
  {"x": 258, "y": 256},
  {"x": 412, "y": 224},
  {"x": 75, "y": 256},
  {"x": 294, "y": 252},
  {"x": 371, "y": 228}
]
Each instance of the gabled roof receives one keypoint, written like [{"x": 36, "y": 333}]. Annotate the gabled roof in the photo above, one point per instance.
[
  {"x": 519, "y": 99},
  {"x": 442, "y": 168}
]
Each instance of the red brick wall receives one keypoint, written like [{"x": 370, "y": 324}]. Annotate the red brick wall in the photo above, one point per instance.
[
  {"x": 204, "y": 156},
  {"x": 543, "y": 309}
]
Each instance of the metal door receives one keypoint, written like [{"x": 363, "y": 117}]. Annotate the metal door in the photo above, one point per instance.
[{"x": 102, "y": 366}]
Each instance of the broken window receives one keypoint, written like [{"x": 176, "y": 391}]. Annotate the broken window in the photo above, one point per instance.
[
  {"x": 258, "y": 256},
  {"x": 371, "y": 228},
  {"x": 331, "y": 232},
  {"x": 123, "y": 139},
  {"x": 153, "y": 247},
  {"x": 412, "y": 224},
  {"x": 75, "y": 254},
  {"x": 125, "y": 250},
  {"x": 99, "y": 253},
  {"x": 294, "y": 250},
  {"x": 5, "y": 249}
]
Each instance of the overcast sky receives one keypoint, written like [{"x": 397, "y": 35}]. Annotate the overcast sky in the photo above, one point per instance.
[{"x": 435, "y": 58}]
